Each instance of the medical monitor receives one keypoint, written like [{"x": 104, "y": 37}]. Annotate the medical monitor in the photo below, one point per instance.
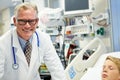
[{"x": 77, "y": 7}]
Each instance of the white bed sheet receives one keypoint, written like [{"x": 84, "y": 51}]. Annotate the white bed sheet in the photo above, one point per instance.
[{"x": 94, "y": 73}]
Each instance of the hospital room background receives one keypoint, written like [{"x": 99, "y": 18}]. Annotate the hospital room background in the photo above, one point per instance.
[{"x": 81, "y": 32}]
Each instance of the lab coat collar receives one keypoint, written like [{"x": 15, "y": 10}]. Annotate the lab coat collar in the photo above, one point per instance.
[{"x": 34, "y": 58}]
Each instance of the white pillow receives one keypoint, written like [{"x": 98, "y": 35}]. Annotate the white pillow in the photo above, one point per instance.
[
  {"x": 94, "y": 73},
  {"x": 102, "y": 58}
]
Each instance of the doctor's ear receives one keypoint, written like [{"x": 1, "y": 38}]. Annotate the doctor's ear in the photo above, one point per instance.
[
  {"x": 37, "y": 20},
  {"x": 14, "y": 21}
]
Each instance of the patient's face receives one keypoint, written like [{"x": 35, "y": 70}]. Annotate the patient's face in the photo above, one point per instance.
[{"x": 110, "y": 71}]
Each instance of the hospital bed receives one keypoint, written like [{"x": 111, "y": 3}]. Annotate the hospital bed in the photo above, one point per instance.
[
  {"x": 78, "y": 67},
  {"x": 94, "y": 73}
]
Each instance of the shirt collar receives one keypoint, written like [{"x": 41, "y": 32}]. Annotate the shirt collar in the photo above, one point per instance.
[{"x": 22, "y": 42}]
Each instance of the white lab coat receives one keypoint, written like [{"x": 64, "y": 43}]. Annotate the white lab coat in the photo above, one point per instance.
[{"x": 45, "y": 52}]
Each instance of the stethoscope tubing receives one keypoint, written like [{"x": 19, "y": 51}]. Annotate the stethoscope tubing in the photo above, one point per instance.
[
  {"x": 38, "y": 41},
  {"x": 14, "y": 58}
]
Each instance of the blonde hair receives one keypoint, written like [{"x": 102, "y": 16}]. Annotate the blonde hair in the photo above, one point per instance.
[
  {"x": 25, "y": 6},
  {"x": 115, "y": 60}
]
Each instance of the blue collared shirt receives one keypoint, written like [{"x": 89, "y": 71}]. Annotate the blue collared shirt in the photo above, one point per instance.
[{"x": 22, "y": 42}]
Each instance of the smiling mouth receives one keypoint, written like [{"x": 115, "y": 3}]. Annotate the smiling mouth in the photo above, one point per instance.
[{"x": 27, "y": 30}]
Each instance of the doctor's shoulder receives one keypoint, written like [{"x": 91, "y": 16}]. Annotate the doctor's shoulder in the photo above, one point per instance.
[
  {"x": 44, "y": 40},
  {"x": 42, "y": 35}
]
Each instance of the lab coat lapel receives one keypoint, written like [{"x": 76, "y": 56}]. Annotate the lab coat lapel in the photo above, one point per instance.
[
  {"x": 37, "y": 52},
  {"x": 18, "y": 50},
  {"x": 34, "y": 63},
  {"x": 34, "y": 54}
]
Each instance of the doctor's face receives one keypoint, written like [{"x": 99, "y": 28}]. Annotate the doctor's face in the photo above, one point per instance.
[
  {"x": 110, "y": 71},
  {"x": 26, "y": 22}
]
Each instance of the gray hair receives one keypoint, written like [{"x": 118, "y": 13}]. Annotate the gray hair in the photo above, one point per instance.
[{"x": 25, "y": 6}]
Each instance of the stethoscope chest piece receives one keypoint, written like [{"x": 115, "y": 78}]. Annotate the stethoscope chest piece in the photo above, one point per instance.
[{"x": 15, "y": 66}]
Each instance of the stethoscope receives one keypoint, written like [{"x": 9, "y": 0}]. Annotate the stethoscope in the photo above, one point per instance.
[{"x": 15, "y": 65}]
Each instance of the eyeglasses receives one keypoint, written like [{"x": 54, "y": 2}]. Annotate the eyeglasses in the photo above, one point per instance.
[{"x": 23, "y": 22}]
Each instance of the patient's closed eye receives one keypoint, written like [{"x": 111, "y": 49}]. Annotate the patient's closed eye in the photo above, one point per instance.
[{"x": 110, "y": 67}]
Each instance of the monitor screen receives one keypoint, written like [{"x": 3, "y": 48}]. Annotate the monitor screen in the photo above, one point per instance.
[
  {"x": 71, "y": 5},
  {"x": 77, "y": 7}
]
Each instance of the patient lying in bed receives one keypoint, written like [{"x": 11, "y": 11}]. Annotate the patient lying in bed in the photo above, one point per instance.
[
  {"x": 111, "y": 69},
  {"x": 104, "y": 68}
]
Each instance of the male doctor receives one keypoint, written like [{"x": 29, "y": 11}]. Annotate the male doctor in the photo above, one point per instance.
[{"x": 13, "y": 63}]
